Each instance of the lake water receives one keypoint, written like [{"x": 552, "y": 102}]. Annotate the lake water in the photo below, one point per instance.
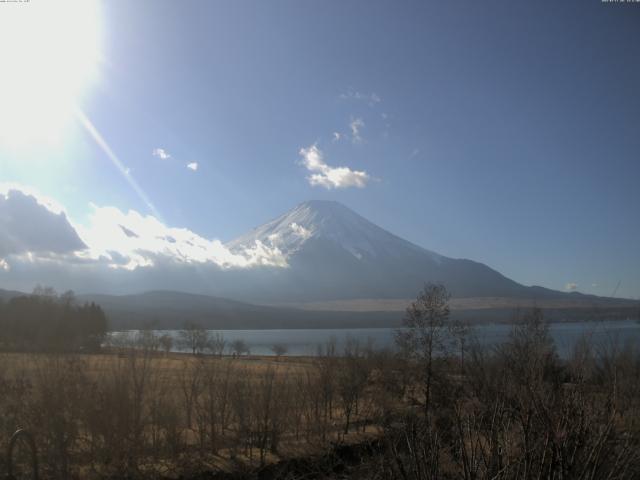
[{"x": 305, "y": 342}]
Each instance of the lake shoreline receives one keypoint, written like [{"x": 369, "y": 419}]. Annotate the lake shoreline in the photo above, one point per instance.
[{"x": 305, "y": 342}]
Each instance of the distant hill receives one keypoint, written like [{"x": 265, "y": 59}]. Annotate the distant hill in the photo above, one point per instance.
[
  {"x": 7, "y": 294},
  {"x": 171, "y": 310}
]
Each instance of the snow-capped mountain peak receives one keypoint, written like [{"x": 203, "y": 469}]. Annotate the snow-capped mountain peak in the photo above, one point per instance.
[
  {"x": 331, "y": 252},
  {"x": 326, "y": 221}
]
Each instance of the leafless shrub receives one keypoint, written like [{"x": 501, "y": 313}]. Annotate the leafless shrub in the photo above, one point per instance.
[
  {"x": 279, "y": 349},
  {"x": 239, "y": 347},
  {"x": 194, "y": 338}
]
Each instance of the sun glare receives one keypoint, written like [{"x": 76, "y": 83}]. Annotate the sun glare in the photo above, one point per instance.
[{"x": 50, "y": 53}]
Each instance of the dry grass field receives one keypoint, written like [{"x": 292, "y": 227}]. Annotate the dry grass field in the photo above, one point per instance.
[
  {"x": 157, "y": 414},
  {"x": 516, "y": 411}
]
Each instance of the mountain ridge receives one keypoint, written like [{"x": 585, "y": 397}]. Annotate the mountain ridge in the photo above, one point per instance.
[
  {"x": 335, "y": 253},
  {"x": 166, "y": 309},
  {"x": 342, "y": 271}
]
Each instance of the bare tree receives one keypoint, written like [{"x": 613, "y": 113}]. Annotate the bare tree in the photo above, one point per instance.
[
  {"x": 190, "y": 378},
  {"x": 217, "y": 344},
  {"x": 194, "y": 337},
  {"x": 325, "y": 384},
  {"x": 423, "y": 335},
  {"x": 460, "y": 331},
  {"x": 147, "y": 340},
  {"x": 166, "y": 343},
  {"x": 279, "y": 349},
  {"x": 351, "y": 379},
  {"x": 213, "y": 406},
  {"x": 239, "y": 347}
]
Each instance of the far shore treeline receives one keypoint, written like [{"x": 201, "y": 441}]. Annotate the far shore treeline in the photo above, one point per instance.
[{"x": 47, "y": 321}]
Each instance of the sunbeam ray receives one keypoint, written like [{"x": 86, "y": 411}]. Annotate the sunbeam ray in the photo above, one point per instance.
[{"x": 104, "y": 146}]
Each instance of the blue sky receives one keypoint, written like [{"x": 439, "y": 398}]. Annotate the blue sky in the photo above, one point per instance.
[{"x": 505, "y": 132}]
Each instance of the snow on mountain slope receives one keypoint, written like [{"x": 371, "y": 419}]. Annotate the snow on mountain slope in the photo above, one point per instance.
[
  {"x": 334, "y": 253},
  {"x": 331, "y": 221}
]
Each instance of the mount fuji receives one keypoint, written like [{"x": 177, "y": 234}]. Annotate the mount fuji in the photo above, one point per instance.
[
  {"x": 335, "y": 254},
  {"x": 335, "y": 269}
]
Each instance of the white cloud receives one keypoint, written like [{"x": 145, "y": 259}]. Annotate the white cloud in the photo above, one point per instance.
[
  {"x": 300, "y": 231},
  {"x": 30, "y": 225},
  {"x": 370, "y": 98},
  {"x": 161, "y": 153},
  {"x": 131, "y": 240},
  {"x": 356, "y": 126},
  {"x": 337, "y": 136},
  {"x": 50, "y": 203},
  {"x": 32, "y": 233},
  {"x": 192, "y": 166},
  {"x": 330, "y": 177},
  {"x": 116, "y": 251},
  {"x": 571, "y": 286}
]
